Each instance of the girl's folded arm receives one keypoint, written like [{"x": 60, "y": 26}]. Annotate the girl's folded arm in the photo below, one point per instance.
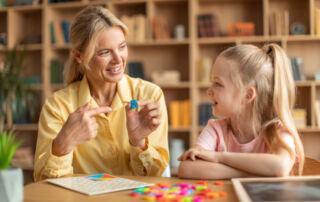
[
  {"x": 200, "y": 169},
  {"x": 278, "y": 164}
]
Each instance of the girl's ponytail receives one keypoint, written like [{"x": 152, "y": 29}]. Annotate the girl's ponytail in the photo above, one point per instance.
[{"x": 284, "y": 97}]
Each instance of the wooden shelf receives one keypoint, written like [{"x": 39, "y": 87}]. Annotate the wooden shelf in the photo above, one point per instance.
[
  {"x": 25, "y": 127},
  {"x": 66, "y": 5},
  {"x": 179, "y": 129},
  {"x": 160, "y": 42},
  {"x": 30, "y": 47},
  {"x": 36, "y": 86},
  {"x": 61, "y": 47},
  {"x": 182, "y": 84},
  {"x": 27, "y": 8},
  {"x": 309, "y": 130},
  {"x": 124, "y": 2},
  {"x": 56, "y": 87}
]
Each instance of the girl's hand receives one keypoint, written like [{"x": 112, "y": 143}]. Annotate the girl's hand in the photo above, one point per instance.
[
  {"x": 141, "y": 123},
  {"x": 80, "y": 127},
  {"x": 203, "y": 154}
]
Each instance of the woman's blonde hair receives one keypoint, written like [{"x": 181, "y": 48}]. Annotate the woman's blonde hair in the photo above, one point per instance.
[
  {"x": 84, "y": 30},
  {"x": 267, "y": 69}
]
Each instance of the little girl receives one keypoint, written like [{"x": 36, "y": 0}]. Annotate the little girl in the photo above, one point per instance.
[{"x": 252, "y": 94}]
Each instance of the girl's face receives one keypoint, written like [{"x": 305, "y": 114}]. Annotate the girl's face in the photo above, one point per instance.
[
  {"x": 223, "y": 93},
  {"x": 110, "y": 56}
]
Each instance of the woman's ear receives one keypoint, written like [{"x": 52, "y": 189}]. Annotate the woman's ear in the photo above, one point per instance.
[
  {"x": 77, "y": 56},
  {"x": 250, "y": 95}
]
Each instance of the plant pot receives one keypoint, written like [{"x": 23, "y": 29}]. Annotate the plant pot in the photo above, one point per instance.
[{"x": 11, "y": 185}]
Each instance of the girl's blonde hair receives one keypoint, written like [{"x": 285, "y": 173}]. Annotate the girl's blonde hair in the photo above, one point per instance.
[
  {"x": 267, "y": 69},
  {"x": 84, "y": 31}
]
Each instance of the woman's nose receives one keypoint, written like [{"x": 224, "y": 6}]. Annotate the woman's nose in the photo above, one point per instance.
[{"x": 116, "y": 57}]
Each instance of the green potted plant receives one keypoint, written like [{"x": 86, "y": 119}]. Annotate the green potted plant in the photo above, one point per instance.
[
  {"x": 11, "y": 179},
  {"x": 11, "y": 85}
]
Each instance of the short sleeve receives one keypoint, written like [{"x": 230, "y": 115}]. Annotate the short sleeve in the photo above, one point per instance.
[{"x": 208, "y": 138}]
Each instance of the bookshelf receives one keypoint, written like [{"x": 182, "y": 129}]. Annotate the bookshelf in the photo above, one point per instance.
[{"x": 21, "y": 22}]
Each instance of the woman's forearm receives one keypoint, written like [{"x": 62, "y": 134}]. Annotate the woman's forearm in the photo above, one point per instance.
[
  {"x": 259, "y": 164},
  {"x": 208, "y": 170}
]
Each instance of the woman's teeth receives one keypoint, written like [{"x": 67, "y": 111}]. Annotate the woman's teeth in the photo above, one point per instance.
[{"x": 115, "y": 69}]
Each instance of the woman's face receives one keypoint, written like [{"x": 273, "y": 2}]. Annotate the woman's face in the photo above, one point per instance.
[{"x": 109, "y": 60}]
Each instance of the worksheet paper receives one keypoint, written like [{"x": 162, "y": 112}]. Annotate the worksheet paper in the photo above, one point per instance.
[{"x": 97, "y": 184}]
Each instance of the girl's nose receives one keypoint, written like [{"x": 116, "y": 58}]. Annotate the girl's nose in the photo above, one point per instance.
[{"x": 209, "y": 92}]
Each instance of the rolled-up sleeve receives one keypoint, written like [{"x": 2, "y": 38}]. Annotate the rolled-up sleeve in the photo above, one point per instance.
[
  {"x": 155, "y": 158},
  {"x": 48, "y": 165}
]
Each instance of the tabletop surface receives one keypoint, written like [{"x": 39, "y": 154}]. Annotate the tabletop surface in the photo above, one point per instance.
[{"x": 44, "y": 191}]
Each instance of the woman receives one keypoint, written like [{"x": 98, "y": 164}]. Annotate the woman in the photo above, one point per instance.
[{"x": 88, "y": 127}]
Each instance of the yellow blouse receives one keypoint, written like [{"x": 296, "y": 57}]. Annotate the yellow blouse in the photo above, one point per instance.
[{"x": 110, "y": 152}]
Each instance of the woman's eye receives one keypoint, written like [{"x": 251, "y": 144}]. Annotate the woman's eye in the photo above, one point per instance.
[
  {"x": 104, "y": 52},
  {"x": 123, "y": 46}
]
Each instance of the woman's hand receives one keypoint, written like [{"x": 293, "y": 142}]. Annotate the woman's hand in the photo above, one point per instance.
[
  {"x": 200, "y": 153},
  {"x": 141, "y": 123},
  {"x": 80, "y": 127}
]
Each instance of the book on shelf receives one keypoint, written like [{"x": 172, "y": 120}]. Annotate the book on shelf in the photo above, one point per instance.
[
  {"x": 208, "y": 25},
  {"x": 135, "y": 69},
  {"x": 137, "y": 27},
  {"x": 205, "y": 113},
  {"x": 59, "y": 32},
  {"x": 66, "y": 29},
  {"x": 297, "y": 66},
  {"x": 161, "y": 29},
  {"x": 279, "y": 23},
  {"x": 179, "y": 115},
  {"x": 204, "y": 69},
  {"x": 56, "y": 72},
  {"x": 300, "y": 117}
]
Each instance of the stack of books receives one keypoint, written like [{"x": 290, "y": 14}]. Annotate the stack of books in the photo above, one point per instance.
[
  {"x": 59, "y": 32},
  {"x": 137, "y": 27},
  {"x": 297, "y": 66},
  {"x": 279, "y": 23},
  {"x": 208, "y": 25}
]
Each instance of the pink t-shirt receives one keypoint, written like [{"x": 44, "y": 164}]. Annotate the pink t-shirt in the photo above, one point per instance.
[{"x": 213, "y": 137}]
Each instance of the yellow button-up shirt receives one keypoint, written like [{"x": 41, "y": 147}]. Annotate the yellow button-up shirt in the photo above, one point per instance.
[{"x": 110, "y": 152}]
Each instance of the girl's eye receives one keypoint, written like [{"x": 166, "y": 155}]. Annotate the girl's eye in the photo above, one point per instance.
[
  {"x": 123, "y": 46},
  {"x": 216, "y": 84}
]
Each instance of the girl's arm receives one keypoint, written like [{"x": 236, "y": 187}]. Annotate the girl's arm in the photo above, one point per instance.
[
  {"x": 278, "y": 164},
  {"x": 200, "y": 169}
]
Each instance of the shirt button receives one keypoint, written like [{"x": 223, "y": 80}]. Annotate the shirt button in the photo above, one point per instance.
[
  {"x": 142, "y": 156},
  {"x": 134, "y": 153},
  {"x": 110, "y": 149}
]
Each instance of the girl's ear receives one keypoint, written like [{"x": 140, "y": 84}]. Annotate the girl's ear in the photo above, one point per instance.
[
  {"x": 77, "y": 55},
  {"x": 250, "y": 95}
]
